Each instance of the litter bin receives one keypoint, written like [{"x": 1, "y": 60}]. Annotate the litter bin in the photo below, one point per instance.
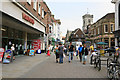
[{"x": 102, "y": 52}]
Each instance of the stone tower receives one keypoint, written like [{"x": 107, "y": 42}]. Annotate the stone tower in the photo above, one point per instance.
[{"x": 87, "y": 20}]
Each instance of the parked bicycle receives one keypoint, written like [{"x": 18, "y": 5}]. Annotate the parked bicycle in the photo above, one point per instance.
[
  {"x": 113, "y": 69},
  {"x": 97, "y": 62}
]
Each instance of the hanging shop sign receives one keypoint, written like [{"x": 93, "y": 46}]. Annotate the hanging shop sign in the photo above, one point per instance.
[
  {"x": 2, "y": 50},
  {"x": 27, "y": 18}
]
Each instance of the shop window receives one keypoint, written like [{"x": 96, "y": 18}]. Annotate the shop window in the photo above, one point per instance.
[
  {"x": 4, "y": 31},
  {"x": 35, "y": 4},
  {"x": 29, "y": 2},
  {"x": 39, "y": 6},
  {"x": 106, "y": 28}
]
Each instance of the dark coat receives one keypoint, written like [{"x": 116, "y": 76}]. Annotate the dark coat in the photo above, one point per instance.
[{"x": 86, "y": 51}]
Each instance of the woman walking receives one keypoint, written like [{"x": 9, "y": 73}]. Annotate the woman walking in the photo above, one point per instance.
[
  {"x": 57, "y": 54},
  {"x": 84, "y": 54}
]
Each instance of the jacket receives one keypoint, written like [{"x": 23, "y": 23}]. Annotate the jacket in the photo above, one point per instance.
[{"x": 86, "y": 51}]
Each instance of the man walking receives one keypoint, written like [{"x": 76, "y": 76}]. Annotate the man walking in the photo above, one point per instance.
[
  {"x": 80, "y": 52},
  {"x": 71, "y": 49},
  {"x": 61, "y": 49}
]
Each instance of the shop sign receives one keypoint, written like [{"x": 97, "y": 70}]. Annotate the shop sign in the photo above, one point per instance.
[
  {"x": 2, "y": 50},
  {"x": 36, "y": 44},
  {"x": 27, "y": 18}
]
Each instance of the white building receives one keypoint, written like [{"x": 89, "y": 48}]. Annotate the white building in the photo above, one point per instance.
[
  {"x": 56, "y": 31},
  {"x": 117, "y": 22}
]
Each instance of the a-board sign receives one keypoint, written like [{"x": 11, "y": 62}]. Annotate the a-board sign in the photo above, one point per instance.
[{"x": 2, "y": 50}]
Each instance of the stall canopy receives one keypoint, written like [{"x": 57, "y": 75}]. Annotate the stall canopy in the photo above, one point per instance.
[{"x": 102, "y": 43}]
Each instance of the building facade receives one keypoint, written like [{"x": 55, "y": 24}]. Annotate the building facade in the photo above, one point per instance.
[
  {"x": 117, "y": 22},
  {"x": 77, "y": 36},
  {"x": 55, "y": 33},
  {"x": 67, "y": 36},
  {"x": 23, "y": 22},
  {"x": 102, "y": 30}
]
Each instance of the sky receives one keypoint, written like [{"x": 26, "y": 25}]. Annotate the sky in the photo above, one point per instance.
[{"x": 70, "y": 12}]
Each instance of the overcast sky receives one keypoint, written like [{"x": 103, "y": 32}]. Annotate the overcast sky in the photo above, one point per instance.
[{"x": 70, "y": 12}]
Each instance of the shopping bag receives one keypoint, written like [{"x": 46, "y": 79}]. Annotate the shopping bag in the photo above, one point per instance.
[
  {"x": 74, "y": 53},
  {"x": 85, "y": 57},
  {"x": 64, "y": 56},
  {"x": 48, "y": 53}
]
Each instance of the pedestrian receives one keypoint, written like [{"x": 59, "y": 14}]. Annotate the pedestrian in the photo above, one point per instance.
[
  {"x": 77, "y": 46},
  {"x": 65, "y": 50},
  {"x": 61, "y": 49},
  {"x": 71, "y": 49},
  {"x": 13, "y": 51},
  {"x": 48, "y": 50},
  {"x": 56, "y": 53},
  {"x": 84, "y": 54},
  {"x": 80, "y": 52},
  {"x": 91, "y": 49}
]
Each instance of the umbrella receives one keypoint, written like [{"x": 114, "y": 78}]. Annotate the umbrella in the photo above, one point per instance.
[{"x": 102, "y": 43}]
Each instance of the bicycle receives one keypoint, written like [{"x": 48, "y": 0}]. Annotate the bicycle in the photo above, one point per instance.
[
  {"x": 113, "y": 70},
  {"x": 97, "y": 63}
]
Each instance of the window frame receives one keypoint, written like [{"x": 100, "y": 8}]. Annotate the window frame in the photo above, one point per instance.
[
  {"x": 94, "y": 31},
  {"x": 111, "y": 27},
  {"x": 29, "y": 2},
  {"x": 98, "y": 30},
  {"x": 42, "y": 12},
  {"x": 39, "y": 8},
  {"x": 35, "y": 5},
  {"x": 105, "y": 28}
]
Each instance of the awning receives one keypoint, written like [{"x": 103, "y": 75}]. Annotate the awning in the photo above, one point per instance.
[{"x": 102, "y": 43}]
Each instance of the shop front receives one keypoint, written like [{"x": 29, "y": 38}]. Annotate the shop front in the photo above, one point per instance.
[{"x": 18, "y": 33}]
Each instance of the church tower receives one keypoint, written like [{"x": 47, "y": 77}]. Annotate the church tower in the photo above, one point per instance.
[{"x": 87, "y": 20}]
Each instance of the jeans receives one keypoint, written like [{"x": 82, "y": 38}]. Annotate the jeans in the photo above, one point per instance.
[
  {"x": 61, "y": 58},
  {"x": 80, "y": 56},
  {"x": 84, "y": 58},
  {"x": 70, "y": 56},
  {"x": 76, "y": 53}
]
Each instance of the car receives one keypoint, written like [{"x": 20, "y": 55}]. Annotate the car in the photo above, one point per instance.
[{"x": 110, "y": 50}]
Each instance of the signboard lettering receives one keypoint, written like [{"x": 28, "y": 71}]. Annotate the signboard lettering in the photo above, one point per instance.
[{"x": 27, "y": 18}]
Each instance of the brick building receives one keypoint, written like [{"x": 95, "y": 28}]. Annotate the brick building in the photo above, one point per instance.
[
  {"x": 77, "y": 36},
  {"x": 22, "y": 22},
  {"x": 102, "y": 30}
]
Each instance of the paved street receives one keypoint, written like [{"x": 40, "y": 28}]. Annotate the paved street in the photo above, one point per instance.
[{"x": 41, "y": 66}]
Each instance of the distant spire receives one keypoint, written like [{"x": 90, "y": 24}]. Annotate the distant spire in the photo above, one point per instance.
[{"x": 87, "y": 11}]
